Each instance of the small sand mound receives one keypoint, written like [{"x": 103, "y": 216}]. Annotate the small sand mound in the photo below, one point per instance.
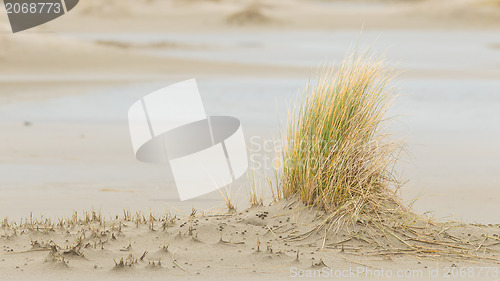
[
  {"x": 125, "y": 263},
  {"x": 251, "y": 14},
  {"x": 163, "y": 253},
  {"x": 154, "y": 265},
  {"x": 55, "y": 258}
]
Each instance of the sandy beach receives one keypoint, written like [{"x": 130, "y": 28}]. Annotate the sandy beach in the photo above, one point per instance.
[
  {"x": 258, "y": 243},
  {"x": 66, "y": 86}
]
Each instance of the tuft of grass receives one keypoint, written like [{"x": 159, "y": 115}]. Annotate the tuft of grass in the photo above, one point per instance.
[
  {"x": 336, "y": 155},
  {"x": 227, "y": 199}
]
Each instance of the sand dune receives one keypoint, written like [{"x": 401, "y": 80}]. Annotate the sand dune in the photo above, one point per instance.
[
  {"x": 189, "y": 16},
  {"x": 87, "y": 59},
  {"x": 251, "y": 14},
  {"x": 261, "y": 242}
]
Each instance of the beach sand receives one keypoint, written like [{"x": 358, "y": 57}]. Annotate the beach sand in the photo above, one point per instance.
[
  {"x": 52, "y": 167},
  {"x": 259, "y": 243}
]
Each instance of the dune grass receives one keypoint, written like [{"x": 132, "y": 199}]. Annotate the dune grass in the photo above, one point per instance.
[
  {"x": 338, "y": 158},
  {"x": 336, "y": 154}
]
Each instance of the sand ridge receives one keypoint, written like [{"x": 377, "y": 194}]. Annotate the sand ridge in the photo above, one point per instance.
[{"x": 263, "y": 240}]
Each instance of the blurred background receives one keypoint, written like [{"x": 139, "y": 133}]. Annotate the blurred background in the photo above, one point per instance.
[{"x": 66, "y": 86}]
